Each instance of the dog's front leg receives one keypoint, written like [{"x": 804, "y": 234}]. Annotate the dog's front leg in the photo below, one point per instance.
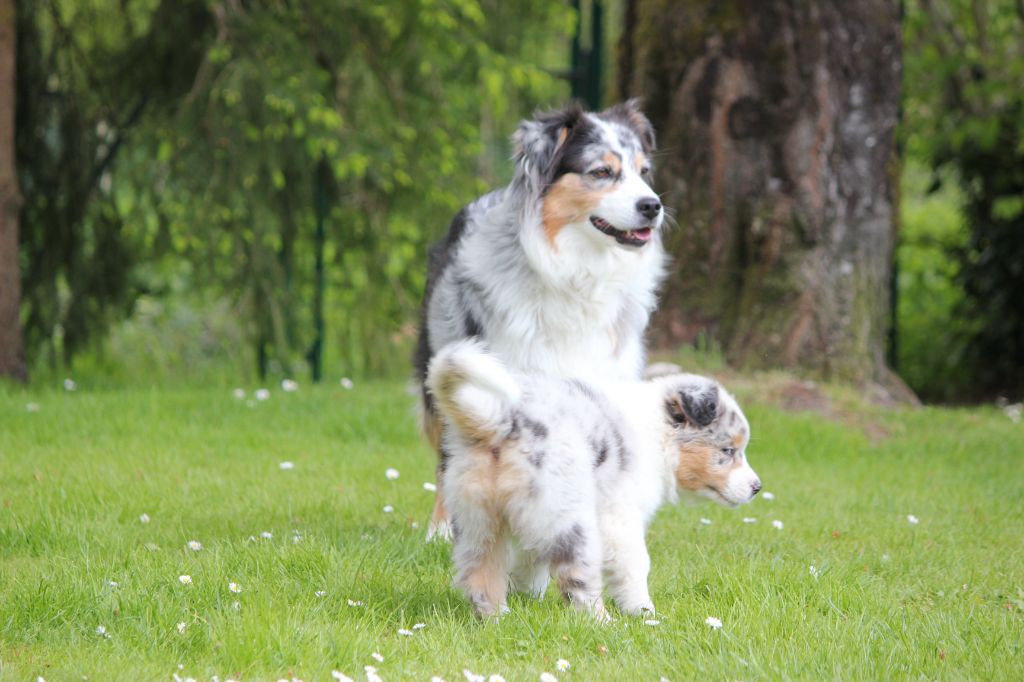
[{"x": 627, "y": 564}]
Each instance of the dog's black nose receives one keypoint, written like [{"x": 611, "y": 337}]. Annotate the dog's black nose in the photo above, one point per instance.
[
  {"x": 755, "y": 487},
  {"x": 649, "y": 207}
]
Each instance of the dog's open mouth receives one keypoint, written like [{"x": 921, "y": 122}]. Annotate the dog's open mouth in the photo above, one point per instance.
[{"x": 637, "y": 237}]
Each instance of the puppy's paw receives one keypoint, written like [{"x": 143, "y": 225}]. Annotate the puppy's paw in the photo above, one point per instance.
[
  {"x": 638, "y": 608},
  {"x": 440, "y": 531}
]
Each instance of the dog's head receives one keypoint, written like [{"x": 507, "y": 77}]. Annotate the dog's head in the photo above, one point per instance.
[
  {"x": 710, "y": 433},
  {"x": 591, "y": 173}
]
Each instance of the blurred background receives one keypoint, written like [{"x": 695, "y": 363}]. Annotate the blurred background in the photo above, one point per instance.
[{"x": 219, "y": 192}]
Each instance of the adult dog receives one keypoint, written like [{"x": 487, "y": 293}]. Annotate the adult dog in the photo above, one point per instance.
[{"x": 555, "y": 273}]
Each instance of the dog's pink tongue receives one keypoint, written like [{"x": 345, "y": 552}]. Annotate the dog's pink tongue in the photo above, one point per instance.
[{"x": 643, "y": 234}]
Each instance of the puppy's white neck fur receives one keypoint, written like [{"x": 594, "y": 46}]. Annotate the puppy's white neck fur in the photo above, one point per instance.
[{"x": 642, "y": 405}]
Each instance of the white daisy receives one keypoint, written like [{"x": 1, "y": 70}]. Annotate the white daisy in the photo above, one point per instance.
[
  {"x": 238, "y": 393},
  {"x": 437, "y": 678},
  {"x": 388, "y": 509},
  {"x": 471, "y": 676},
  {"x": 235, "y": 587},
  {"x": 353, "y": 603},
  {"x": 101, "y": 630},
  {"x": 391, "y": 474},
  {"x": 288, "y": 385},
  {"x": 262, "y": 394},
  {"x": 912, "y": 519},
  {"x": 112, "y": 583},
  {"x": 377, "y": 657},
  {"x": 713, "y": 623},
  {"x": 266, "y": 535},
  {"x": 185, "y": 579},
  {"x": 767, "y": 495},
  {"x": 346, "y": 383},
  {"x": 419, "y": 626},
  {"x": 652, "y": 622},
  {"x": 143, "y": 518},
  {"x": 340, "y": 676},
  {"x": 749, "y": 519},
  {"x": 495, "y": 678},
  {"x": 405, "y": 633},
  {"x": 778, "y": 524},
  {"x": 70, "y": 385},
  {"x": 194, "y": 545},
  {"x": 286, "y": 466},
  {"x": 548, "y": 677},
  {"x": 706, "y": 522},
  {"x": 430, "y": 487},
  {"x": 562, "y": 665},
  {"x": 181, "y": 628},
  {"x": 320, "y": 593}
]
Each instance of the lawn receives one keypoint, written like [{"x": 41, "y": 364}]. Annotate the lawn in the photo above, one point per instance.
[{"x": 337, "y": 576}]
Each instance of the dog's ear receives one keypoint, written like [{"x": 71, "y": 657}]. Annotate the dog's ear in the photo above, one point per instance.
[
  {"x": 540, "y": 142},
  {"x": 694, "y": 404},
  {"x": 628, "y": 114}
]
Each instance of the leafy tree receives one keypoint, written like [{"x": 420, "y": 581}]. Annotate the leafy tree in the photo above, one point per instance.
[
  {"x": 366, "y": 116},
  {"x": 965, "y": 113},
  {"x": 87, "y": 71}
]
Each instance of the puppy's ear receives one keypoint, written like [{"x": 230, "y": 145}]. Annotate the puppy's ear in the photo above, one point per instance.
[
  {"x": 693, "y": 404},
  {"x": 539, "y": 143},
  {"x": 628, "y": 114}
]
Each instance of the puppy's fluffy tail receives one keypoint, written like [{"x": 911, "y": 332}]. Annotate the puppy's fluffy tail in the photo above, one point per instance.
[{"x": 472, "y": 389}]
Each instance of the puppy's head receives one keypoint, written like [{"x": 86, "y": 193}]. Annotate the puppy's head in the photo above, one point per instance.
[
  {"x": 710, "y": 433},
  {"x": 592, "y": 174}
]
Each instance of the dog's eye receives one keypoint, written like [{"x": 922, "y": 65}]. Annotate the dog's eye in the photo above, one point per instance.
[
  {"x": 729, "y": 452},
  {"x": 601, "y": 173},
  {"x": 645, "y": 171}
]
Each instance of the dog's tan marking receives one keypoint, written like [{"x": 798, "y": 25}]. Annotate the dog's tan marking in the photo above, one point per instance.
[
  {"x": 569, "y": 201},
  {"x": 737, "y": 440},
  {"x": 563, "y": 134},
  {"x": 696, "y": 471},
  {"x": 613, "y": 161},
  {"x": 639, "y": 161},
  {"x": 486, "y": 581}
]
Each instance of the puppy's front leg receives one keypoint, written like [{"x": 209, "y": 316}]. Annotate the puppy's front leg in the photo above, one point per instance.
[{"x": 627, "y": 564}]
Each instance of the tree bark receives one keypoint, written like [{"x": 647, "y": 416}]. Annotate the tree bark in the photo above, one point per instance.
[
  {"x": 12, "y": 350},
  {"x": 776, "y": 123}
]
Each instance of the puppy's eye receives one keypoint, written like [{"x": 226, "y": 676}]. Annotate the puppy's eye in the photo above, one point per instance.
[
  {"x": 602, "y": 173},
  {"x": 645, "y": 171},
  {"x": 729, "y": 452}
]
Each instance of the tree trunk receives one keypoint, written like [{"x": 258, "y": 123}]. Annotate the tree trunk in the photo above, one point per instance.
[
  {"x": 12, "y": 350},
  {"x": 776, "y": 121}
]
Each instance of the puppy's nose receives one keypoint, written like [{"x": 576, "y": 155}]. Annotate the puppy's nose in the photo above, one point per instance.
[
  {"x": 755, "y": 487},
  {"x": 649, "y": 207}
]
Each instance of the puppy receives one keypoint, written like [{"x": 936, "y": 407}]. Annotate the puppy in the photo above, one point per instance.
[
  {"x": 560, "y": 478},
  {"x": 557, "y": 271}
]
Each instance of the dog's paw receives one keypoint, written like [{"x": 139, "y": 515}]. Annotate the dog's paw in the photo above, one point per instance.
[
  {"x": 643, "y": 608},
  {"x": 439, "y": 532}
]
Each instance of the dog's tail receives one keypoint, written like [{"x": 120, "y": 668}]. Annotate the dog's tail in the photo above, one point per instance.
[{"x": 473, "y": 390}]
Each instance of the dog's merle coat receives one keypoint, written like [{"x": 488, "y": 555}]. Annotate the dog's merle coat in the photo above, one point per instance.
[{"x": 561, "y": 477}]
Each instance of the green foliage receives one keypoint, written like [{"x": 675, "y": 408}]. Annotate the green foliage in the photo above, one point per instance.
[
  {"x": 935, "y": 600},
  {"x": 965, "y": 115},
  {"x": 932, "y": 333},
  {"x": 82, "y": 86},
  {"x": 396, "y": 113}
]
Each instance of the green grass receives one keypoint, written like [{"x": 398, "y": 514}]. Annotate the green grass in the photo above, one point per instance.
[{"x": 943, "y": 599}]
